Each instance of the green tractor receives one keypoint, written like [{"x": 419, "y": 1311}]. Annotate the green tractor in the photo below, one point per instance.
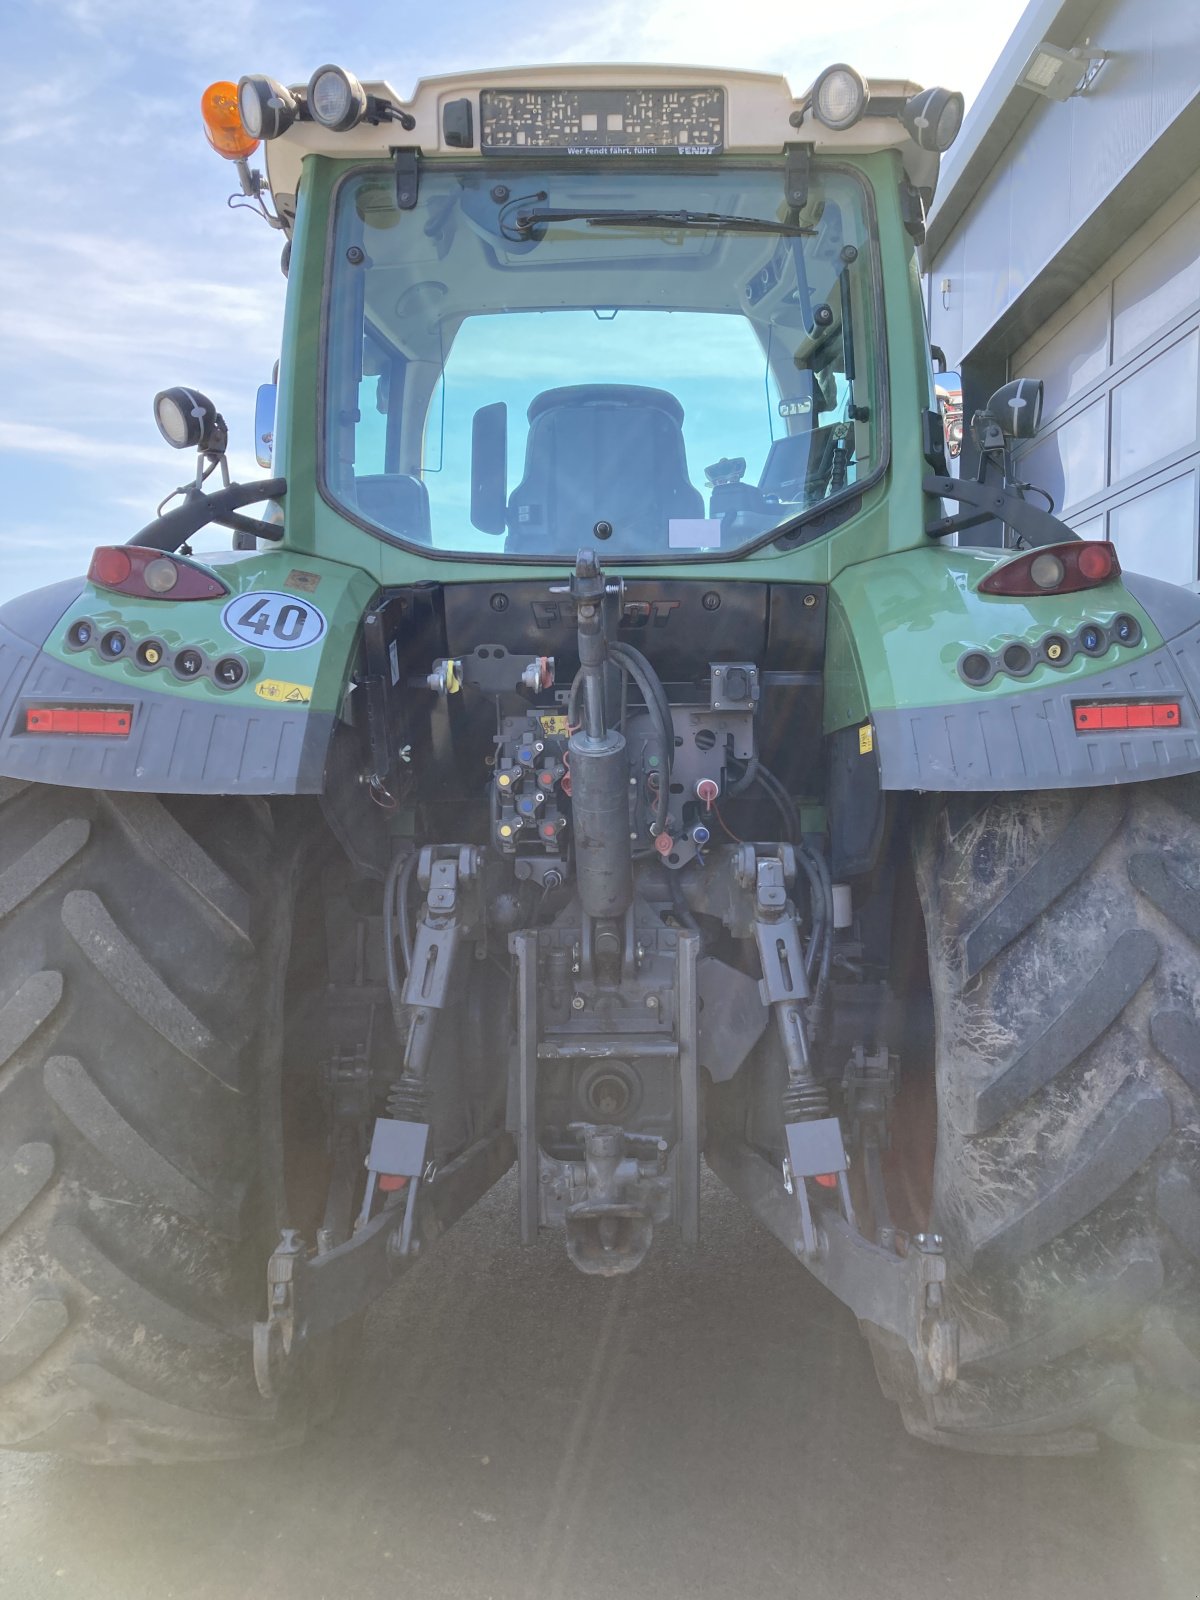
[{"x": 603, "y": 750}]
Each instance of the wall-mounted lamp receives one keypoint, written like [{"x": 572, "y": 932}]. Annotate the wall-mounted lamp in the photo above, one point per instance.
[{"x": 1059, "y": 74}]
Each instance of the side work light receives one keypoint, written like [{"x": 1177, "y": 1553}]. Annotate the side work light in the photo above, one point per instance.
[
  {"x": 188, "y": 419},
  {"x": 266, "y": 108},
  {"x": 839, "y": 97},
  {"x": 934, "y": 117}
]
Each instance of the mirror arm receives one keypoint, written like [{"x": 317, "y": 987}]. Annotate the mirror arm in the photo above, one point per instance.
[
  {"x": 1035, "y": 526},
  {"x": 252, "y": 525},
  {"x": 174, "y": 528}
]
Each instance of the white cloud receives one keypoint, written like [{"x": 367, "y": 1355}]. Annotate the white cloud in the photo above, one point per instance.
[
  {"x": 74, "y": 449},
  {"x": 877, "y": 36}
]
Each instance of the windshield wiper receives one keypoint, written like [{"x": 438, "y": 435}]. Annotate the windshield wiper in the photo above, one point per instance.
[{"x": 717, "y": 221}]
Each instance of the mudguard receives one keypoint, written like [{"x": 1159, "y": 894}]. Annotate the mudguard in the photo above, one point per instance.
[
  {"x": 901, "y": 626},
  {"x": 290, "y": 622}
]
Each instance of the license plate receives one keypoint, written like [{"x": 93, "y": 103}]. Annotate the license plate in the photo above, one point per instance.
[{"x": 602, "y": 122}]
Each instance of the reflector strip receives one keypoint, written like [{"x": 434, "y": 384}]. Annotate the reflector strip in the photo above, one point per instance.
[
  {"x": 1105, "y": 717},
  {"x": 79, "y": 719}
]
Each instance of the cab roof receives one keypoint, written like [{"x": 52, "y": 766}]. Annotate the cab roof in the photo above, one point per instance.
[{"x": 762, "y": 115}]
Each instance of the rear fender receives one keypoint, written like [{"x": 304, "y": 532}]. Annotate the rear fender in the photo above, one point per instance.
[
  {"x": 901, "y": 626},
  {"x": 290, "y": 622}
]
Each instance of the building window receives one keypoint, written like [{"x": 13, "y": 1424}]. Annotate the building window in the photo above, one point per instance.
[
  {"x": 1154, "y": 410},
  {"x": 1155, "y": 532}
]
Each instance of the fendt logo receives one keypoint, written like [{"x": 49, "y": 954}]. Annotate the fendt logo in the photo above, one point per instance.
[
  {"x": 634, "y": 613},
  {"x": 647, "y": 613}
]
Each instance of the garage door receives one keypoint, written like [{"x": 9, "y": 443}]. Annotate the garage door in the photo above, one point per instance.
[{"x": 1119, "y": 448}]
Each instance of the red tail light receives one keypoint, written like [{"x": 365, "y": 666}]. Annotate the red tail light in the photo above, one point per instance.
[
  {"x": 152, "y": 575},
  {"x": 1055, "y": 569}
]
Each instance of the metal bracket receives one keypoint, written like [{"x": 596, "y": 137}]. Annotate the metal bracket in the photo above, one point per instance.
[
  {"x": 408, "y": 178},
  {"x": 307, "y": 1295},
  {"x": 397, "y": 1152},
  {"x": 782, "y": 959},
  {"x": 387, "y": 727},
  {"x": 869, "y": 1086},
  {"x": 904, "y": 1295},
  {"x": 797, "y": 174}
]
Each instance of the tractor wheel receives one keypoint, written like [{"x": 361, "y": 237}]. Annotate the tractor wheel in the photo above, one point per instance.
[
  {"x": 1064, "y": 1173},
  {"x": 144, "y": 946}
]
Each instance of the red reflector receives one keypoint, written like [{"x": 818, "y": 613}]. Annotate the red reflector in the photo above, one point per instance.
[
  {"x": 827, "y": 1180},
  {"x": 389, "y": 1182},
  {"x": 1106, "y": 717},
  {"x": 79, "y": 719}
]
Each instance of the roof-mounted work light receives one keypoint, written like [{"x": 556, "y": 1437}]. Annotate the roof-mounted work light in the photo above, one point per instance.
[
  {"x": 934, "y": 117},
  {"x": 266, "y": 108},
  {"x": 839, "y": 97},
  {"x": 336, "y": 99},
  {"x": 339, "y": 102}
]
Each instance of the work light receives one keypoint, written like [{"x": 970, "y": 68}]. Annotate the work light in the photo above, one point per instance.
[
  {"x": 933, "y": 118},
  {"x": 336, "y": 99},
  {"x": 188, "y": 419},
  {"x": 839, "y": 97},
  {"x": 266, "y": 108}
]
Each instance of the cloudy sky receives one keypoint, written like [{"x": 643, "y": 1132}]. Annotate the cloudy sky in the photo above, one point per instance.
[{"x": 123, "y": 271}]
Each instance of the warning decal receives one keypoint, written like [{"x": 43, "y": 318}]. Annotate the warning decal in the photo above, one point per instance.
[{"x": 284, "y": 694}]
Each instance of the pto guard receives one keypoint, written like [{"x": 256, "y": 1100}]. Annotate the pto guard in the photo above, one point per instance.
[
  {"x": 289, "y": 626},
  {"x": 900, "y": 626}
]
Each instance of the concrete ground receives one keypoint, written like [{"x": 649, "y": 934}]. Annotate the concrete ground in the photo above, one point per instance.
[{"x": 708, "y": 1428}]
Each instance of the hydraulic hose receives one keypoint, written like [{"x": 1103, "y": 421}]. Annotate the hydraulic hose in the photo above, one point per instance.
[
  {"x": 783, "y": 802},
  {"x": 642, "y": 671},
  {"x": 634, "y": 663},
  {"x": 395, "y": 898},
  {"x": 679, "y": 901}
]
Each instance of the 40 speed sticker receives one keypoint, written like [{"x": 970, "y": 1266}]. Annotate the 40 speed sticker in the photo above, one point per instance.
[{"x": 273, "y": 621}]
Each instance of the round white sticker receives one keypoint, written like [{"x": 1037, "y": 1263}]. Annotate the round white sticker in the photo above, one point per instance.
[{"x": 273, "y": 621}]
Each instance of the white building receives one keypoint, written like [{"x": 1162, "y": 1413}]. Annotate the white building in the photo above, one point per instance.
[{"x": 1065, "y": 245}]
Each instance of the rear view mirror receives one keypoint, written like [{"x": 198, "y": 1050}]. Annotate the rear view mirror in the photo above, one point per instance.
[
  {"x": 264, "y": 425},
  {"x": 1016, "y": 408},
  {"x": 489, "y": 468}
]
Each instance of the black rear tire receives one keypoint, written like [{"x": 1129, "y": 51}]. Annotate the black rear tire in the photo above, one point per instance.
[
  {"x": 1064, "y": 954},
  {"x": 143, "y": 951}
]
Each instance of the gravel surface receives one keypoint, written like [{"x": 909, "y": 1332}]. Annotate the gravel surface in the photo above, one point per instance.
[{"x": 709, "y": 1427}]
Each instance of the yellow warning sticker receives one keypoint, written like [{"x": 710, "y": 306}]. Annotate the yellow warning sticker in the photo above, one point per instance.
[
  {"x": 866, "y": 739},
  {"x": 284, "y": 694},
  {"x": 553, "y": 724}
]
